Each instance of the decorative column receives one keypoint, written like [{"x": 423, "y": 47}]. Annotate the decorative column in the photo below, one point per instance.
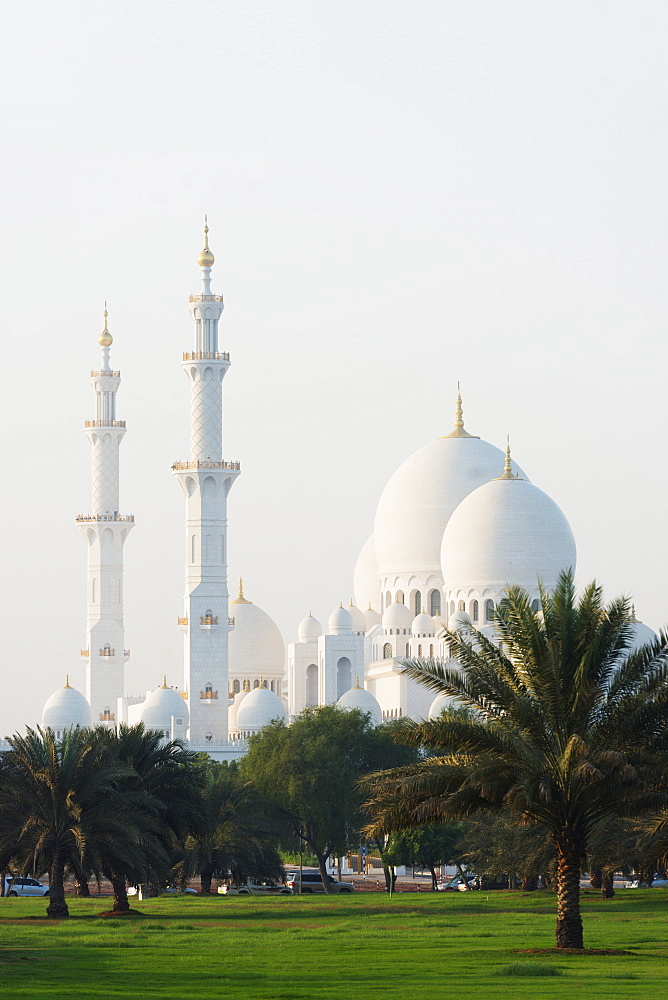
[
  {"x": 206, "y": 481},
  {"x": 105, "y": 531}
]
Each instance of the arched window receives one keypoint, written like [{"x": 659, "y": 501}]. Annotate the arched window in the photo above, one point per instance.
[
  {"x": 387, "y": 651},
  {"x": 236, "y": 687},
  {"x": 435, "y": 603},
  {"x": 418, "y": 603},
  {"x": 272, "y": 685},
  {"x": 208, "y": 688},
  {"x": 400, "y": 597},
  {"x": 388, "y": 599},
  {"x": 408, "y": 649},
  {"x": 461, "y": 606},
  {"x": 475, "y": 611},
  {"x": 489, "y": 610},
  {"x": 452, "y": 607},
  {"x": 256, "y": 684},
  {"x": 535, "y": 606},
  {"x": 264, "y": 684},
  {"x": 311, "y": 685},
  {"x": 343, "y": 676},
  {"x": 431, "y": 650},
  {"x": 420, "y": 649}
]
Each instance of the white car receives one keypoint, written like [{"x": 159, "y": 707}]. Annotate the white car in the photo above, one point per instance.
[
  {"x": 657, "y": 883},
  {"x": 25, "y": 887},
  {"x": 171, "y": 890},
  {"x": 255, "y": 887}
]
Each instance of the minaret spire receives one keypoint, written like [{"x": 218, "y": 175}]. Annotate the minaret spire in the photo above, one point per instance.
[
  {"x": 105, "y": 532},
  {"x": 508, "y": 465},
  {"x": 459, "y": 430},
  {"x": 206, "y": 480}
]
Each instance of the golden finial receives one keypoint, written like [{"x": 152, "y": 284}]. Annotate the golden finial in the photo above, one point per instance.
[
  {"x": 164, "y": 681},
  {"x": 458, "y": 430},
  {"x": 67, "y": 681},
  {"x": 246, "y": 685},
  {"x": 633, "y": 613},
  {"x": 206, "y": 258},
  {"x": 357, "y": 683},
  {"x": 240, "y": 599},
  {"x": 508, "y": 465},
  {"x": 105, "y": 339}
]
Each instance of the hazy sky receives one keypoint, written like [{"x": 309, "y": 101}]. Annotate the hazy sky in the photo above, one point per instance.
[{"x": 400, "y": 196}]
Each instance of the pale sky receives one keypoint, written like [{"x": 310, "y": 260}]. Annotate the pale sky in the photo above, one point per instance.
[{"x": 400, "y": 196}]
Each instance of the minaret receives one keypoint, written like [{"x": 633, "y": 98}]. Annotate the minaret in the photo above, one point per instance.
[
  {"x": 105, "y": 531},
  {"x": 206, "y": 480}
]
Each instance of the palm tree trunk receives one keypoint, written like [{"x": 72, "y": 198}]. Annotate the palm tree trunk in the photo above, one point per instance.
[
  {"x": 205, "y": 881},
  {"x": 57, "y": 906},
  {"x": 569, "y": 920},
  {"x": 608, "y": 885},
  {"x": 322, "y": 868},
  {"x": 596, "y": 879},
  {"x": 530, "y": 883},
  {"x": 82, "y": 887},
  {"x": 121, "y": 904}
]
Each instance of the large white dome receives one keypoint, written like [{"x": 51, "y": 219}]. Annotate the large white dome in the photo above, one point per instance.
[
  {"x": 506, "y": 532},
  {"x": 256, "y": 644},
  {"x": 258, "y": 709},
  {"x": 421, "y": 496},
  {"x": 642, "y": 636},
  {"x": 358, "y": 697},
  {"x": 365, "y": 580},
  {"x": 161, "y": 706},
  {"x": 66, "y": 709}
]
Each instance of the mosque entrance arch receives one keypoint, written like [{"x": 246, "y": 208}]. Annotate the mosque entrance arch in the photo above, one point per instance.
[
  {"x": 311, "y": 685},
  {"x": 343, "y": 676}
]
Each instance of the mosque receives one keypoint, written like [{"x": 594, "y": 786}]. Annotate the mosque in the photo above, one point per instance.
[{"x": 456, "y": 524}]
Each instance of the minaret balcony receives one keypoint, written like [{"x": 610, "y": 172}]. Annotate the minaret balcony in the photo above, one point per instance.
[
  {"x": 205, "y": 298},
  {"x": 235, "y": 466},
  {"x": 182, "y": 622},
  {"x": 104, "y": 423},
  {"x": 110, "y": 651},
  {"x": 109, "y": 374},
  {"x": 206, "y": 356},
  {"x": 208, "y": 621},
  {"x": 208, "y": 695},
  {"x": 85, "y": 652},
  {"x": 106, "y": 517}
]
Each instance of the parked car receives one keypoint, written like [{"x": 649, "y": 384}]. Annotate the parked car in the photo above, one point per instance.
[
  {"x": 256, "y": 887},
  {"x": 657, "y": 883},
  {"x": 25, "y": 887},
  {"x": 459, "y": 882},
  {"x": 171, "y": 890},
  {"x": 311, "y": 882}
]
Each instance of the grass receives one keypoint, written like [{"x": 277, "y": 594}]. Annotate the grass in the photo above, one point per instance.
[{"x": 435, "y": 946}]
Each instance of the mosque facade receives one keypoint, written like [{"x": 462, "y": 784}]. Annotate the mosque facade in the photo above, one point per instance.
[{"x": 457, "y": 523}]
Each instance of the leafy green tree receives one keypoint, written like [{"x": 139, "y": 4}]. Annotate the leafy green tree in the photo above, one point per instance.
[
  {"x": 426, "y": 847},
  {"x": 58, "y": 800},
  {"x": 238, "y": 835},
  {"x": 310, "y": 771},
  {"x": 497, "y": 845},
  {"x": 570, "y": 727}
]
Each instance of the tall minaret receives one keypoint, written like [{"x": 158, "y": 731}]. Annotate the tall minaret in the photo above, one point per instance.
[
  {"x": 105, "y": 531},
  {"x": 206, "y": 480}
]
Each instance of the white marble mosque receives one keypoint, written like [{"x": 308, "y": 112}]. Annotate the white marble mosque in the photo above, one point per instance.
[{"x": 456, "y": 524}]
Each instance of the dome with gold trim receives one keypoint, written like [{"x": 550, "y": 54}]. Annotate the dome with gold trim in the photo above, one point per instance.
[{"x": 255, "y": 645}]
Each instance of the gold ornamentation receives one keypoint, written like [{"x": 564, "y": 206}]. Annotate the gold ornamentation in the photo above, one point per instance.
[
  {"x": 459, "y": 431},
  {"x": 105, "y": 339},
  {"x": 206, "y": 258},
  {"x": 240, "y": 599}
]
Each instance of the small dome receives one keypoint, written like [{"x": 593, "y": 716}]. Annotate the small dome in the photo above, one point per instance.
[
  {"x": 642, "y": 635},
  {"x": 233, "y": 709},
  {"x": 255, "y": 644},
  {"x": 359, "y": 620},
  {"x": 372, "y": 618},
  {"x": 366, "y": 584},
  {"x": 457, "y": 619},
  {"x": 397, "y": 616},
  {"x": 66, "y": 709},
  {"x": 507, "y": 532},
  {"x": 161, "y": 706},
  {"x": 258, "y": 709},
  {"x": 309, "y": 628},
  {"x": 423, "y": 624},
  {"x": 440, "y": 702},
  {"x": 358, "y": 697},
  {"x": 340, "y": 622}
]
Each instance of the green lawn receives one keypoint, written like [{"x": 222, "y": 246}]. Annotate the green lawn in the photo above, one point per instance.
[{"x": 445, "y": 945}]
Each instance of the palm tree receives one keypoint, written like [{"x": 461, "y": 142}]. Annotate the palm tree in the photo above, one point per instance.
[
  {"x": 569, "y": 727},
  {"x": 163, "y": 786},
  {"x": 237, "y": 833},
  {"x": 58, "y": 802}
]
